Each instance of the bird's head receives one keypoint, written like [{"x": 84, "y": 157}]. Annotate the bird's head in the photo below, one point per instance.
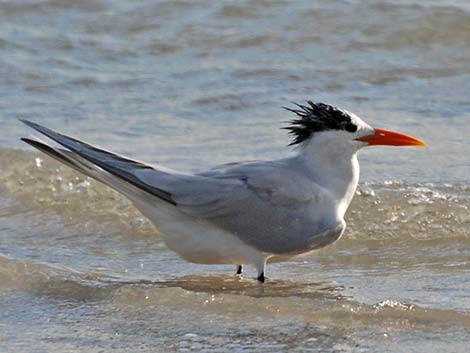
[{"x": 328, "y": 125}]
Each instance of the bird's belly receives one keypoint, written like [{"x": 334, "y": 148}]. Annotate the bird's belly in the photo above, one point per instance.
[
  {"x": 202, "y": 243},
  {"x": 196, "y": 240}
]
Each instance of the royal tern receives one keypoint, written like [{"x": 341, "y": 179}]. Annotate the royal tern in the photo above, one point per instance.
[{"x": 248, "y": 212}]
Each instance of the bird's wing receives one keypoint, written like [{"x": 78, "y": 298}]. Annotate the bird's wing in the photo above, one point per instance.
[
  {"x": 266, "y": 204},
  {"x": 168, "y": 185},
  {"x": 119, "y": 166}
]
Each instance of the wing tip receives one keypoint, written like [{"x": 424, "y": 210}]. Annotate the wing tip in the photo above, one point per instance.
[
  {"x": 162, "y": 194},
  {"x": 26, "y": 121},
  {"x": 31, "y": 124}
]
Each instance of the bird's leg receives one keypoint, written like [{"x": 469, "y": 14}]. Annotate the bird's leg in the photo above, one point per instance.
[
  {"x": 239, "y": 269},
  {"x": 260, "y": 268}
]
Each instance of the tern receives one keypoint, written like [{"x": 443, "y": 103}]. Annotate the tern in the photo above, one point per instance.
[{"x": 248, "y": 212}]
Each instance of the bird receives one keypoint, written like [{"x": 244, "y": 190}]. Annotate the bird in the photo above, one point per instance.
[{"x": 245, "y": 213}]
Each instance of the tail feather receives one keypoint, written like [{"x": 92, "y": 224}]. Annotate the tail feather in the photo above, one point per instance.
[
  {"x": 112, "y": 163},
  {"x": 81, "y": 165},
  {"x": 57, "y": 154}
]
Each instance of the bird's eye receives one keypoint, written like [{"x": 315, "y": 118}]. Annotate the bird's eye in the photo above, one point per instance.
[{"x": 351, "y": 127}]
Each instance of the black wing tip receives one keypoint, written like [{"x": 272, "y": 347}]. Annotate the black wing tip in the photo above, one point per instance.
[
  {"x": 27, "y": 122},
  {"x": 32, "y": 124}
]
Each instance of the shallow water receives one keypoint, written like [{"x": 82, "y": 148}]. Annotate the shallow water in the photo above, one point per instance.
[{"x": 194, "y": 84}]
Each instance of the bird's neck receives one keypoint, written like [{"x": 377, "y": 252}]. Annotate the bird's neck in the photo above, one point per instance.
[{"x": 334, "y": 167}]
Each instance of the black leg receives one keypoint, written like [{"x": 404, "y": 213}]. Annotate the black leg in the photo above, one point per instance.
[
  {"x": 261, "y": 277},
  {"x": 239, "y": 270}
]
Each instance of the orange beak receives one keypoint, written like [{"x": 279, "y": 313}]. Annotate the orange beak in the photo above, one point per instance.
[{"x": 390, "y": 138}]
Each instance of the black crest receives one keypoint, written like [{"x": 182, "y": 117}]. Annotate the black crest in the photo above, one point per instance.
[{"x": 316, "y": 117}]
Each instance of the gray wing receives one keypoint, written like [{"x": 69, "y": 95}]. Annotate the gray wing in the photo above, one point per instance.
[
  {"x": 202, "y": 195},
  {"x": 269, "y": 205}
]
